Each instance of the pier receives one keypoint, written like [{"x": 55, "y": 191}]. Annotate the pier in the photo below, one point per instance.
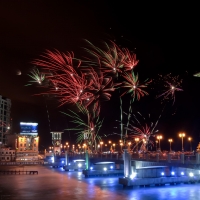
[{"x": 18, "y": 172}]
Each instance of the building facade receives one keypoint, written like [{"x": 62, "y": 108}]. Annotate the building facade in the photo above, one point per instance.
[
  {"x": 5, "y": 121},
  {"x": 7, "y": 154},
  {"x": 27, "y": 148}
]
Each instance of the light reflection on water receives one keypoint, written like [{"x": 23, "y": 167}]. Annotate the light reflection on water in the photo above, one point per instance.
[{"x": 56, "y": 184}]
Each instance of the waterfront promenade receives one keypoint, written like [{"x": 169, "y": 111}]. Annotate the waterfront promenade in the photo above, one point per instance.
[{"x": 55, "y": 183}]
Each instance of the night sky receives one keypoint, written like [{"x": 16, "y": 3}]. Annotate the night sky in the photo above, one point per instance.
[{"x": 164, "y": 36}]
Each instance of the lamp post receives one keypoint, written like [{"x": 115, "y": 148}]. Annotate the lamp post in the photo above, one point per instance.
[
  {"x": 129, "y": 144},
  {"x": 159, "y": 137},
  {"x": 121, "y": 144},
  {"x": 190, "y": 140},
  {"x": 170, "y": 142},
  {"x": 101, "y": 143},
  {"x": 110, "y": 143},
  {"x": 156, "y": 145},
  {"x": 114, "y": 147},
  {"x": 182, "y": 135},
  {"x": 137, "y": 140}
]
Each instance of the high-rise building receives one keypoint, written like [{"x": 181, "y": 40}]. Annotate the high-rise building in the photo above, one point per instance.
[{"x": 5, "y": 121}]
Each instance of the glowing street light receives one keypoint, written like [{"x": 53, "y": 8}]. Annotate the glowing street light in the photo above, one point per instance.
[
  {"x": 129, "y": 144},
  {"x": 170, "y": 141},
  {"x": 182, "y": 135},
  {"x": 156, "y": 145},
  {"x": 137, "y": 140},
  {"x": 159, "y": 137},
  {"x": 121, "y": 144},
  {"x": 101, "y": 143},
  {"x": 190, "y": 140},
  {"x": 114, "y": 147},
  {"x": 109, "y": 142}
]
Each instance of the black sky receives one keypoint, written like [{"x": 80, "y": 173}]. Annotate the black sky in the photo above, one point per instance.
[{"x": 165, "y": 35}]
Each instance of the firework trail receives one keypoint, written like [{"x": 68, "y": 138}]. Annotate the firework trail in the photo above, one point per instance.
[
  {"x": 86, "y": 130},
  {"x": 172, "y": 84},
  {"x": 134, "y": 88}
]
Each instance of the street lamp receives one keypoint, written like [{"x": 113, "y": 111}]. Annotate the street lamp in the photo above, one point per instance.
[
  {"x": 159, "y": 137},
  {"x": 114, "y": 147},
  {"x": 129, "y": 144},
  {"x": 156, "y": 145},
  {"x": 182, "y": 135},
  {"x": 121, "y": 144},
  {"x": 170, "y": 141},
  {"x": 101, "y": 143},
  {"x": 137, "y": 140},
  {"x": 110, "y": 145},
  {"x": 190, "y": 140}
]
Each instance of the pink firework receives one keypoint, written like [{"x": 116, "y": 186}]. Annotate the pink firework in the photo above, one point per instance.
[
  {"x": 130, "y": 60},
  {"x": 133, "y": 85},
  {"x": 75, "y": 84},
  {"x": 113, "y": 60}
]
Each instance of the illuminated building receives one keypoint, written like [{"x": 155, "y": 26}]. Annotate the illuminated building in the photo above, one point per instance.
[
  {"x": 5, "y": 106},
  {"x": 7, "y": 154},
  {"x": 27, "y": 142}
]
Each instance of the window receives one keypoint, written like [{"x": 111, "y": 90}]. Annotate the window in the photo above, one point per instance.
[
  {"x": 24, "y": 145},
  {"x": 9, "y": 152},
  {"x": 13, "y": 152},
  {"x": 34, "y": 145},
  {"x": 7, "y": 158},
  {"x": 20, "y": 145},
  {"x": 21, "y": 149}
]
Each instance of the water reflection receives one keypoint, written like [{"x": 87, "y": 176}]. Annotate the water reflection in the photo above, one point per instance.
[{"x": 55, "y": 183}]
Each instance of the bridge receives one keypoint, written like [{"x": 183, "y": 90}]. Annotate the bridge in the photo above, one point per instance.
[{"x": 129, "y": 161}]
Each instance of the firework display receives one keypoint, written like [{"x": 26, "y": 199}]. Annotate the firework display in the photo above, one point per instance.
[
  {"x": 86, "y": 127},
  {"x": 172, "y": 84},
  {"x": 133, "y": 86},
  {"x": 36, "y": 77},
  {"x": 86, "y": 83},
  {"x": 114, "y": 60},
  {"x": 144, "y": 129}
]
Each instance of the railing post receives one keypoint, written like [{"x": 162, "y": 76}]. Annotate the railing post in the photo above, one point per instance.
[
  {"x": 182, "y": 158},
  {"x": 87, "y": 159},
  {"x": 157, "y": 157},
  {"x": 66, "y": 158},
  {"x": 127, "y": 163},
  {"x": 169, "y": 156},
  {"x": 197, "y": 157}
]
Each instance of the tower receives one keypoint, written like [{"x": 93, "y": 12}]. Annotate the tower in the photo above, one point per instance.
[{"x": 56, "y": 141}]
